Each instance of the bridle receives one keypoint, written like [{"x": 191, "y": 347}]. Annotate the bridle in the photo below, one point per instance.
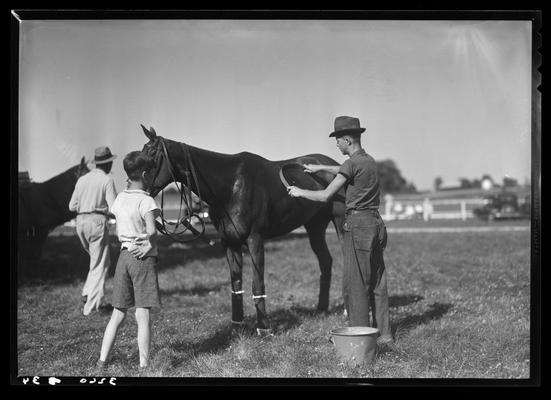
[{"x": 185, "y": 198}]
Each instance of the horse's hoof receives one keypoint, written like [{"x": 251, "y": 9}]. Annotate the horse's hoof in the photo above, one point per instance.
[
  {"x": 264, "y": 332},
  {"x": 323, "y": 311},
  {"x": 237, "y": 329}
]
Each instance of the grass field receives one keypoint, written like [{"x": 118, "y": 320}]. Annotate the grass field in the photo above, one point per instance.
[{"x": 460, "y": 308}]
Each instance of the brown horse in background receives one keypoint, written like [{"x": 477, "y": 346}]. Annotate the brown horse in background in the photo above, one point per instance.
[
  {"x": 42, "y": 207},
  {"x": 249, "y": 204}
]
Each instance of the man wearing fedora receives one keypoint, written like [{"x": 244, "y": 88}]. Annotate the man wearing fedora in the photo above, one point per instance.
[
  {"x": 92, "y": 199},
  {"x": 365, "y": 236}
]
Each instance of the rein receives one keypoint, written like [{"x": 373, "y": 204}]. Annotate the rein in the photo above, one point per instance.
[{"x": 185, "y": 198}]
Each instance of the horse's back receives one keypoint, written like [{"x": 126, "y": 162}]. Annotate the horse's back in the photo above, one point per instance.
[
  {"x": 309, "y": 159},
  {"x": 315, "y": 158}
]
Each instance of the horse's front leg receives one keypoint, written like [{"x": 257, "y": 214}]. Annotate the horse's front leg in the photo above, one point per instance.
[
  {"x": 256, "y": 248},
  {"x": 234, "y": 256}
]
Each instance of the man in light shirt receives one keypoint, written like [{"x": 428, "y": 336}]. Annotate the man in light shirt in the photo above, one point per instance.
[{"x": 92, "y": 199}]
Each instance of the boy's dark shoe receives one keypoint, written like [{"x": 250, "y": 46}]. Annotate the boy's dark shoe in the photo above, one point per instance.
[
  {"x": 101, "y": 367},
  {"x": 143, "y": 370}
]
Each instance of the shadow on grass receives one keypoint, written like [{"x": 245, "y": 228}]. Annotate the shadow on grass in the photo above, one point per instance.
[
  {"x": 198, "y": 290},
  {"x": 281, "y": 320},
  {"x": 403, "y": 300},
  {"x": 284, "y": 319},
  {"x": 435, "y": 311},
  {"x": 218, "y": 341}
]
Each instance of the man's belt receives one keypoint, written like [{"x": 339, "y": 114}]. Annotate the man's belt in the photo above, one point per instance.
[
  {"x": 366, "y": 210},
  {"x": 93, "y": 212}
]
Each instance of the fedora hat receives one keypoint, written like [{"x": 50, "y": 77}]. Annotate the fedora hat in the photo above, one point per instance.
[
  {"x": 103, "y": 155},
  {"x": 346, "y": 126}
]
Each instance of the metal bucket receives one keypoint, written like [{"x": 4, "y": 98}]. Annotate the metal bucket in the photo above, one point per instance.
[{"x": 355, "y": 345}]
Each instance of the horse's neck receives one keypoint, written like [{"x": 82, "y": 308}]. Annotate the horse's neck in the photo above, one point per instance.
[
  {"x": 215, "y": 172},
  {"x": 59, "y": 190}
]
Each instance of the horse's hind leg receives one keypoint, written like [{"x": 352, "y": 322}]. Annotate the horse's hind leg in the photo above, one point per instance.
[
  {"x": 256, "y": 248},
  {"x": 338, "y": 217},
  {"x": 234, "y": 256},
  {"x": 316, "y": 228}
]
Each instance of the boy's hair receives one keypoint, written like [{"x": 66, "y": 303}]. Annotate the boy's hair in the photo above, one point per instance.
[{"x": 135, "y": 163}]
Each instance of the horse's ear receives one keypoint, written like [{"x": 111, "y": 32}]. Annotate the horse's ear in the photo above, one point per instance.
[
  {"x": 83, "y": 162},
  {"x": 152, "y": 130},
  {"x": 150, "y": 135}
]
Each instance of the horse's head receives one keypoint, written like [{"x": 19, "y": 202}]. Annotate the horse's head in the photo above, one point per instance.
[
  {"x": 82, "y": 168},
  {"x": 160, "y": 177}
]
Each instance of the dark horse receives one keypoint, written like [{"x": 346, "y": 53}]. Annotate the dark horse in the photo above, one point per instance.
[
  {"x": 248, "y": 204},
  {"x": 42, "y": 207}
]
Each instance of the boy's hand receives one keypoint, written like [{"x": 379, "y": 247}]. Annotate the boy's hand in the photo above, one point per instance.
[{"x": 142, "y": 247}]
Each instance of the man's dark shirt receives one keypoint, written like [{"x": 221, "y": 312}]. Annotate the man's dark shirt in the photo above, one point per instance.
[{"x": 362, "y": 182}]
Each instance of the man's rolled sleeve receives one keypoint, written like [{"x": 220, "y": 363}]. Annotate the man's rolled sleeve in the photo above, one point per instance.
[{"x": 346, "y": 170}]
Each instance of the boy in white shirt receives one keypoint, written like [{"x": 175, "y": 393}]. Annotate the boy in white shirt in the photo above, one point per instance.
[{"x": 135, "y": 281}]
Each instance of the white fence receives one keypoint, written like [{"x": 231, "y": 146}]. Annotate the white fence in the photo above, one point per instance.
[{"x": 428, "y": 209}]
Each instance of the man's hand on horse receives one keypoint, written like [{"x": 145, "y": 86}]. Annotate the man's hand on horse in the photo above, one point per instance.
[
  {"x": 294, "y": 191},
  {"x": 311, "y": 168}
]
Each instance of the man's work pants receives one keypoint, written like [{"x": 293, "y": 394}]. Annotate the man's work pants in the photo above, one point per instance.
[
  {"x": 92, "y": 230},
  {"x": 364, "y": 276}
]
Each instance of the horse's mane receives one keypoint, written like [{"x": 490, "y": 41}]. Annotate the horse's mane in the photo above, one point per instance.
[
  {"x": 216, "y": 154},
  {"x": 309, "y": 158},
  {"x": 65, "y": 175}
]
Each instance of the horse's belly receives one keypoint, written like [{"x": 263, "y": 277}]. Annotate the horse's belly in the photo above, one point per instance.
[{"x": 287, "y": 220}]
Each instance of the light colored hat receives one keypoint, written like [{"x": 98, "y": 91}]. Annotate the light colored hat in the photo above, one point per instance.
[{"x": 103, "y": 155}]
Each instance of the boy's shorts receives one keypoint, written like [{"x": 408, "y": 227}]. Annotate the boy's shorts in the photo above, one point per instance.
[{"x": 135, "y": 282}]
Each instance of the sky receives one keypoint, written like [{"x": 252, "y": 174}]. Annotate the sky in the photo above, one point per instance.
[{"x": 446, "y": 99}]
